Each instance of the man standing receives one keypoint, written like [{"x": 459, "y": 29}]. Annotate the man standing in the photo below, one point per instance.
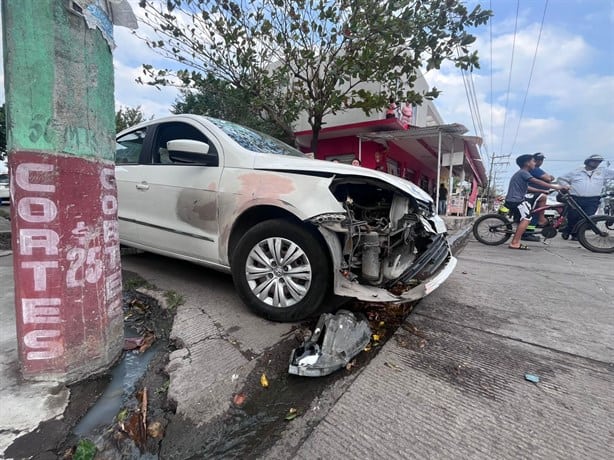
[
  {"x": 443, "y": 200},
  {"x": 585, "y": 185},
  {"x": 521, "y": 183}
]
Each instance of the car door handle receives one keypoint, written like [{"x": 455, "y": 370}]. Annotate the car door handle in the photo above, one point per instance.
[{"x": 142, "y": 186}]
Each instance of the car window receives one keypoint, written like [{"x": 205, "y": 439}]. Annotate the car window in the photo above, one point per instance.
[
  {"x": 177, "y": 130},
  {"x": 254, "y": 140},
  {"x": 128, "y": 148},
  {"x": 4, "y": 178}
]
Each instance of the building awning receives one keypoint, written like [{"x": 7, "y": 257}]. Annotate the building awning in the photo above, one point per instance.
[{"x": 423, "y": 143}]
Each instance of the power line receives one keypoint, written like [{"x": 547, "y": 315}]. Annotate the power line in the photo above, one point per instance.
[
  {"x": 491, "y": 77},
  {"x": 539, "y": 36},
  {"x": 509, "y": 81}
]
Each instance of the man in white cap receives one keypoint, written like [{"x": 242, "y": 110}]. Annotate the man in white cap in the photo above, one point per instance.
[{"x": 585, "y": 185}]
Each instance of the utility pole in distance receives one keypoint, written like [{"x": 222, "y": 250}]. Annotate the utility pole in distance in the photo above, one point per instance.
[
  {"x": 493, "y": 157},
  {"x": 60, "y": 121}
]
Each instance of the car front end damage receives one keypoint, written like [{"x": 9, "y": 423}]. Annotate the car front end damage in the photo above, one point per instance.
[{"x": 388, "y": 245}]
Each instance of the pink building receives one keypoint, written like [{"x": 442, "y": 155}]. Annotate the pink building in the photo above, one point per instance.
[{"x": 408, "y": 151}]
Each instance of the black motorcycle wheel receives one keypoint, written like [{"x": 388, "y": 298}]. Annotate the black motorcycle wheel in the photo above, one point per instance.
[
  {"x": 595, "y": 242},
  {"x": 492, "y": 229}
]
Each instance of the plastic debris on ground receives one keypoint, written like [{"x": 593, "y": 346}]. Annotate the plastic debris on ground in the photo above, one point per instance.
[
  {"x": 335, "y": 340},
  {"x": 531, "y": 378}
]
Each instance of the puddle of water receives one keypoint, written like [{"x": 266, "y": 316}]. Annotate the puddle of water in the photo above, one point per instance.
[{"x": 124, "y": 376}]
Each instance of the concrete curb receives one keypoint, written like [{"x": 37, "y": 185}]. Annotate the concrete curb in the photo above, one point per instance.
[{"x": 458, "y": 240}]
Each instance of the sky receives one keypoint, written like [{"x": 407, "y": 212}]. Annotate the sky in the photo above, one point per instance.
[{"x": 561, "y": 103}]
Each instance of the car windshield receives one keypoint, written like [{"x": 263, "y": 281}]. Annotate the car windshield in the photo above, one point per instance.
[{"x": 254, "y": 140}]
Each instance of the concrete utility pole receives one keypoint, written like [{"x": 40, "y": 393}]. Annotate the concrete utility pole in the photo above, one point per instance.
[
  {"x": 493, "y": 157},
  {"x": 60, "y": 122}
]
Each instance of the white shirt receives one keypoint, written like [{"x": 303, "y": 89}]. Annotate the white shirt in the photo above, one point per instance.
[{"x": 587, "y": 183}]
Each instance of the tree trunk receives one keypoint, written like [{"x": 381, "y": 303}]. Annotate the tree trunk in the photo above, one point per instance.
[{"x": 316, "y": 127}]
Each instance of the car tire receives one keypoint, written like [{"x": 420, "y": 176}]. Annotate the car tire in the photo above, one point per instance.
[{"x": 281, "y": 270}]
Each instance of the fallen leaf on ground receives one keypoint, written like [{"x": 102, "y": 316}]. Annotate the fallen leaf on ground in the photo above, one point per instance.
[
  {"x": 155, "y": 430},
  {"x": 376, "y": 337},
  {"x": 422, "y": 343},
  {"x": 350, "y": 365},
  {"x": 292, "y": 414},
  {"x": 391, "y": 365},
  {"x": 148, "y": 339},
  {"x": 367, "y": 348},
  {"x": 239, "y": 399},
  {"x": 264, "y": 381}
]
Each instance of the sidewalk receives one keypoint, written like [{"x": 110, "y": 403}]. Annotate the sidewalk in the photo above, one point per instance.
[{"x": 451, "y": 382}]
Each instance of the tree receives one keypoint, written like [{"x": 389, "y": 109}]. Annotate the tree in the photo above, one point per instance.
[
  {"x": 126, "y": 117},
  {"x": 311, "y": 55},
  {"x": 218, "y": 98}
]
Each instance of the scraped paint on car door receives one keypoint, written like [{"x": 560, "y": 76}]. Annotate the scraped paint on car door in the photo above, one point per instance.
[{"x": 181, "y": 197}]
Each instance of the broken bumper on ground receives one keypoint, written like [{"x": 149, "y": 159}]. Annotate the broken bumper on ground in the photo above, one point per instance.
[{"x": 335, "y": 340}]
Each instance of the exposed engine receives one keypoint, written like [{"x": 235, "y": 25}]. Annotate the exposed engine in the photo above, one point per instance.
[{"x": 383, "y": 233}]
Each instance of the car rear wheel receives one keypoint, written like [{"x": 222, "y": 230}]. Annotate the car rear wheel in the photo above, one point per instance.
[{"x": 281, "y": 270}]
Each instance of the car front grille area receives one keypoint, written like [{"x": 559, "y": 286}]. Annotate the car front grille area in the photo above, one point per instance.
[
  {"x": 424, "y": 208},
  {"x": 427, "y": 263}
]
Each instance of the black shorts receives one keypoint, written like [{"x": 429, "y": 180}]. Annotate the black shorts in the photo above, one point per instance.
[{"x": 521, "y": 210}]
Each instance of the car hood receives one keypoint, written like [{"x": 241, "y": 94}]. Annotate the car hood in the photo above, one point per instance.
[{"x": 306, "y": 165}]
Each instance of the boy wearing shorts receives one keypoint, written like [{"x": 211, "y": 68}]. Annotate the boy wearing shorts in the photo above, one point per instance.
[{"x": 516, "y": 201}]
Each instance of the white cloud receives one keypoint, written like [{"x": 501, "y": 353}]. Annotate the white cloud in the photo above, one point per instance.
[{"x": 568, "y": 113}]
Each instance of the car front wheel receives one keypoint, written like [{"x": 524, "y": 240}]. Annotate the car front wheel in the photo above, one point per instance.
[{"x": 281, "y": 270}]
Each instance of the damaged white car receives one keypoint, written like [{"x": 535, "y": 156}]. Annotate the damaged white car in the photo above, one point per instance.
[{"x": 291, "y": 230}]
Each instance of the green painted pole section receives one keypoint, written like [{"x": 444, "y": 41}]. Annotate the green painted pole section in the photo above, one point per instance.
[{"x": 58, "y": 81}]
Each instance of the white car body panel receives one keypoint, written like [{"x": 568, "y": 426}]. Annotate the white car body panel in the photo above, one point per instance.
[{"x": 189, "y": 211}]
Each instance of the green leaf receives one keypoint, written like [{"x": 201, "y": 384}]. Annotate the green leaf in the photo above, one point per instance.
[{"x": 86, "y": 450}]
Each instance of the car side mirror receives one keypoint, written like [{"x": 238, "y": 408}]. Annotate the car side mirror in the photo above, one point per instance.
[{"x": 188, "y": 151}]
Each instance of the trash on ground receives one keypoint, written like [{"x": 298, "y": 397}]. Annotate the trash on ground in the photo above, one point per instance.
[
  {"x": 132, "y": 343},
  {"x": 239, "y": 399},
  {"x": 292, "y": 414},
  {"x": 155, "y": 430},
  {"x": 264, "y": 381},
  {"x": 531, "y": 378},
  {"x": 335, "y": 340}
]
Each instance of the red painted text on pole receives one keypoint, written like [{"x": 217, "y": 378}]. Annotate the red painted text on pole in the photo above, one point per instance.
[{"x": 67, "y": 266}]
